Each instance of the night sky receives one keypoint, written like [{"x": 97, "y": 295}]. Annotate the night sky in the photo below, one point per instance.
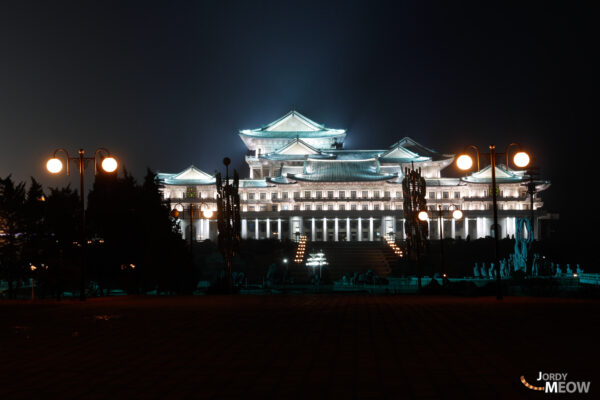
[{"x": 168, "y": 84}]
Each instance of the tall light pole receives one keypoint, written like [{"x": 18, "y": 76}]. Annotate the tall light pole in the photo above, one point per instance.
[
  {"x": 465, "y": 162},
  {"x": 456, "y": 215},
  {"x": 205, "y": 213},
  {"x": 108, "y": 164}
]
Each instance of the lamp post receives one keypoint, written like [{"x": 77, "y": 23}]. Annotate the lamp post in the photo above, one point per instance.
[
  {"x": 456, "y": 215},
  {"x": 317, "y": 260},
  {"x": 108, "y": 164},
  {"x": 465, "y": 162},
  {"x": 206, "y": 213}
]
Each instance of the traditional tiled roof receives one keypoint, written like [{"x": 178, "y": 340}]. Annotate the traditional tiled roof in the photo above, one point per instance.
[
  {"x": 411, "y": 145},
  {"x": 294, "y": 125},
  {"x": 341, "y": 171},
  {"x": 254, "y": 183},
  {"x": 399, "y": 154},
  {"x": 189, "y": 176},
  {"x": 295, "y": 149},
  {"x": 503, "y": 175}
]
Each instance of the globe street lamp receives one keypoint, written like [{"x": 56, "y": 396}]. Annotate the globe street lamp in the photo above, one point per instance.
[
  {"x": 456, "y": 214},
  {"x": 108, "y": 164},
  {"x": 205, "y": 211},
  {"x": 465, "y": 162}
]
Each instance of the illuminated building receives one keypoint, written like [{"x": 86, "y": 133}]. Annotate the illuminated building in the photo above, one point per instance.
[{"x": 303, "y": 181}]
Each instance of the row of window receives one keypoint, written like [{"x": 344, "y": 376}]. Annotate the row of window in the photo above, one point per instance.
[
  {"x": 319, "y": 194},
  {"x": 376, "y": 207},
  {"x": 352, "y": 194}
]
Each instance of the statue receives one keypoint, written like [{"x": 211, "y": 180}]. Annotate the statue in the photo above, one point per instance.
[
  {"x": 483, "y": 270},
  {"x": 503, "y": 268},
  {"x": 228, "y": 218},
  {"x": 569, "y": 271},
  {"x": 476, "y": 271},
  {"x": 491, "y": 271},
  {"x": 558, "y": 270},
  {"x": 522, "y": 243},
  {"x": 414, "y": 190},
  {"x": 534, "y": 267},
  {"x": 579, "y": 270}
]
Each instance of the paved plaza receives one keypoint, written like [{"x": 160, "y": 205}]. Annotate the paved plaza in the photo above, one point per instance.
[{"x": 294, "y": 346}]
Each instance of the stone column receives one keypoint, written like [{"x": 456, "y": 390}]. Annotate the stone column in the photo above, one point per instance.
[
  {"x": 314, "y": 231},
  {"x": 256, "y": 228},
  {"x": 324, "y": 229},
  {"x": 348, "y": 234},
  {"x": 359, "y": 229},
  {"x": 279, "y": 235},
  {"x": 335, "y": 230},
  {"x": 244, "y": 229},
  {"x": 268, "y": 231},
  {"x": 371, "y": 229}
]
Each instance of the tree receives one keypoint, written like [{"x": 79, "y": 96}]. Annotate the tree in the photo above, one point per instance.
[{"x": 12, "y": 227}]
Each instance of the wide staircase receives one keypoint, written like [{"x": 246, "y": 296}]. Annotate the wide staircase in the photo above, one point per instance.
[{"x": 346, "y": 258}]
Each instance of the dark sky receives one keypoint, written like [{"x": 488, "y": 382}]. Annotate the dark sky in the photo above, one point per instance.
[{"x": 167, "y": 84}]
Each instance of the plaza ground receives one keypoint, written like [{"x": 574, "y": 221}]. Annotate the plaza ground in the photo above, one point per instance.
[{"x": 294, "y": 346}]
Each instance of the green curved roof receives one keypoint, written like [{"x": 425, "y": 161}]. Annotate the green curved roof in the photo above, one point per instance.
[{"x": 341, "y": 171}]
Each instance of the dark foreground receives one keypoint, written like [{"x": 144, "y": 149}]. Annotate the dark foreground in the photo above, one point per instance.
[{"x": 322, "y": 346}]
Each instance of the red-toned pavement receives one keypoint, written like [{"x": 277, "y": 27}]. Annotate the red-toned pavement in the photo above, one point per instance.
[{"x": 300, "y": 346}]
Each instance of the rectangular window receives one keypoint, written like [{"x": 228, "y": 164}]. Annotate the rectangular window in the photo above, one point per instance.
[
  {"x": 365, "y": 194},
  {"x": 353, "y": 194},
  {"x": 296, "y": 195},
  {"x": 432, "y": 195},
  {"x": 457, "y": 195},
  {"x": 330, "y": 207},
  {"x": 330, "y": 194},
  {"x": 353, "y": 207},
  {"x": 376, "y": 207},
  {"x": 376, "y": 194},
  {"x": 365, "y": 206},
  {"x": 250, "y": 196},
  {"x": 387, "y": 207},
  {"x": 251, "y": 208},
  {"x": 273, "y": 208},
  {"x": 342, "y": 207},
  {"x": 307, "y": 207},
  {"x": 319, "y": 207},
  {"x": 387, "y": 195},
  {"x": 398, "y": 195},
  {"x": 274, "y": 196},
  {"x": 296, "y": 207},
  {"x": 307, "y": 194},
  {"x": 342, "y": 194},
  {"x": 445, "y": 195},
  {"x": 284, "y": 195},
  {"x": 318, "y": 194},
  {"x": 263, "y": 196}
]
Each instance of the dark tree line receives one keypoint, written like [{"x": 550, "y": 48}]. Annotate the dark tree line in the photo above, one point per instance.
[{"x": 132, "y": 242}]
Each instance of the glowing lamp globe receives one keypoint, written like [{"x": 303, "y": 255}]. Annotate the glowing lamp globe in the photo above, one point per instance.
[
  {"x": 207, "y": 213},
  {"x": 457, "y": 214},
  {"x": 174, "y": 213},
  {"x": 521, "y": 159},
  {"x": 464, "y": 162},
  {"x": 422, "y": 215},
  {"x": 109, "y": 164},
  {"x": 54, "y": 165}
]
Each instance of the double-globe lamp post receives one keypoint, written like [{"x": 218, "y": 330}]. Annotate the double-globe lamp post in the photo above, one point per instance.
[
  {"x": 456, "y": 214},
  {"x": 465, "y": 162},
  {"x": 207, "y": 213},
  {"x": 108, "y": 164}
]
